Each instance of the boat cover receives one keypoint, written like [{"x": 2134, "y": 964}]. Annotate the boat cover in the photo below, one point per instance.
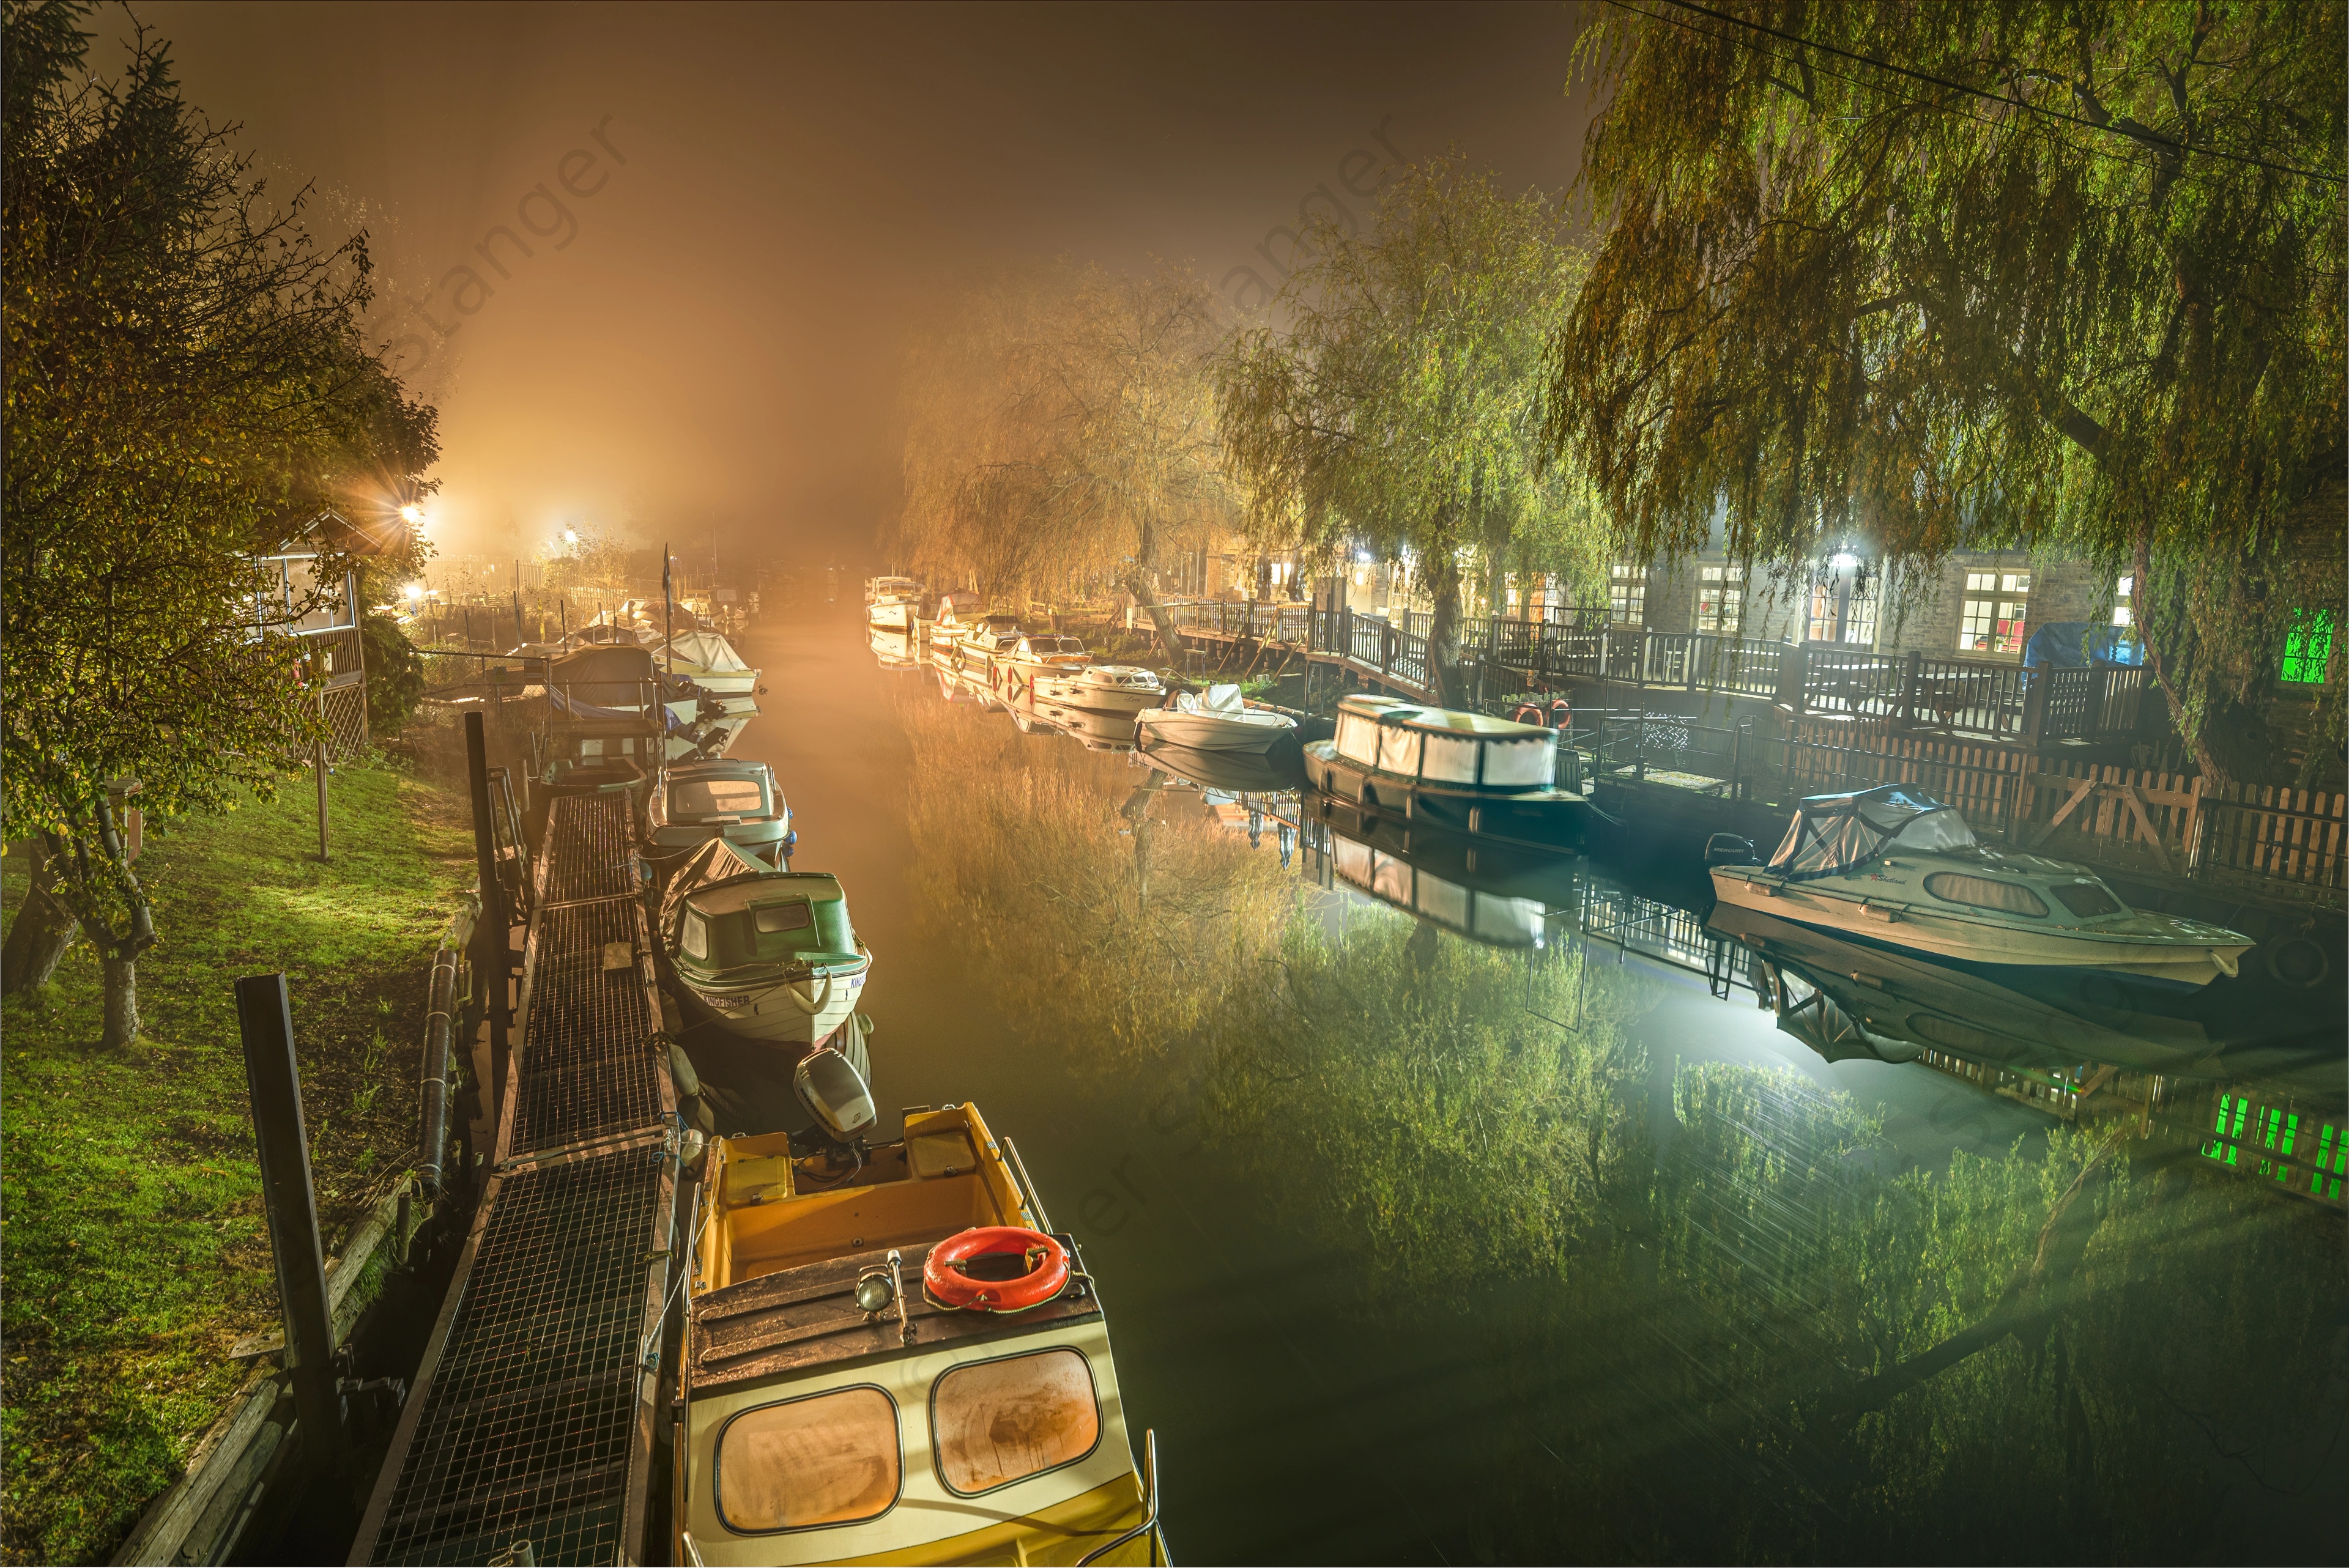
[
  {"x": 1219, "y": 700},
  {"x": 707, "y": 649},
  {"x": 1832, "y": 834}
]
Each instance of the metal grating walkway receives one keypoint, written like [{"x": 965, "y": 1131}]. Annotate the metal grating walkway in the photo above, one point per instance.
[
  {"x": 588, "y": 1065},
  {"x": 532, "y": 1417},
  {"x": 590, "y": 850},
  {"x": 526, "y": 1426}
]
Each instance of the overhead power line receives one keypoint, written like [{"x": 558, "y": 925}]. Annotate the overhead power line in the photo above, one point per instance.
[{"x": 1943, "y": 82}]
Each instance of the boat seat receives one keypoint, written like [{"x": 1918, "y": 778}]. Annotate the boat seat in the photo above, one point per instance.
[{"x": 945, "y": 1153}]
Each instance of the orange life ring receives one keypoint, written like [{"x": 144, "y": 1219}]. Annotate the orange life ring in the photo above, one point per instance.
[{"x": 949, "y": 1286}]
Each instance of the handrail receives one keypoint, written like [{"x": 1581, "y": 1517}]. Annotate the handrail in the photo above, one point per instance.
[
  {"x": 439, "y": 1027},
  {"x": 1149, "y": 1525},
  {"x": 1027, "y": 1186}
]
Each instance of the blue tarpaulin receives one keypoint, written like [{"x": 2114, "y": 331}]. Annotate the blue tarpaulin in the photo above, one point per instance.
[{"x": 2076, "y": 645}]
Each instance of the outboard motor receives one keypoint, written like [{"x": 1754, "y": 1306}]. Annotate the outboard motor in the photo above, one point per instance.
[
  {"x": 1729, "y": 850},
  {"x": 828, "y": 1084}
]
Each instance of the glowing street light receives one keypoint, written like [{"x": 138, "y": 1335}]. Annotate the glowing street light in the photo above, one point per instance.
[
  {"x": 410, "y": 512},
  {"x": 415, "y": 592},
  {"x": 1844, "y": 561},
  {"x": 570, "y": 536}
]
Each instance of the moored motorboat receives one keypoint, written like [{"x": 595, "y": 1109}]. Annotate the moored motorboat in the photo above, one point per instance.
[
  {"x": 737, "y": 801},
  {"x": 1895, "y": 867},
  {"x": 772, "y": 952},
  {"x": 1444, "y": 767},
  {"x": 982, "y": 642},
  {"x": 892, "y": 602},
  {"x": 1036, "y": 655},
  {"x": 1122, "y": 689},
  {"x": 709, "y": 661},
  {"x": 891, "y": 1357},
  {"x": 1219, "y": 720}
]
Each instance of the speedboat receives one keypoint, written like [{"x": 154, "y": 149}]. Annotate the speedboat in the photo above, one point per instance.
[
  {"x": 1036, "y": 655},
  {"x": 1895, "y": 867},
  {"x": 1219, "y": 721},
  {"x": 890, "y": 1356},
  {"x": 737, "y": 801},
  {"x": 982, "y": 642},
  {"x": 1445, "y": 768},
  {"x": 772, "y": 952},
  {"x": 892, "y": 602},
  {"x": 1122, "y": 689}
]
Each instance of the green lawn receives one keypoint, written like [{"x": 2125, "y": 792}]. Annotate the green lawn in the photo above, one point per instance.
[{"x": 134, "y": 1249}]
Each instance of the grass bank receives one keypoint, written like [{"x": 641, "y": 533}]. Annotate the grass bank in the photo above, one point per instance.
[{"x": 133, "y": 1244}]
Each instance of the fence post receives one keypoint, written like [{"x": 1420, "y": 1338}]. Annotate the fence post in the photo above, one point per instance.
[
  {"x": 2034, "y": 703},
  {"x": 1911, "y": 675},
  {"x": 1794, "y": 671}
]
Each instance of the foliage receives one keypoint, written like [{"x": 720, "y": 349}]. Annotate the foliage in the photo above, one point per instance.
[
  {"x": 1403, "y": 408},
  {"x": 135, "y": 1247},
  {"x": 186, "y": 385},
  {"x": 2081, "y": 290},
  {"x": 593, "y": 559},
  {"x": 395, "y": 675},
  {"x": 1060, "y": 426}
]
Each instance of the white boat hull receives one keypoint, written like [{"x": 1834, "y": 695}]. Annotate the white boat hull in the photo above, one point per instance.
[
  {"x": 896, "y": 616},
  {"x": 1209, "y": 732},
  {"x": 2184, "y": 951},
  {"x": 768, "y": 1014},
  {"x": 1071, "y": 691}
]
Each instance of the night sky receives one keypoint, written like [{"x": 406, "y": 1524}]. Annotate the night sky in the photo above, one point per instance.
[{"x": 732, "y": 212}]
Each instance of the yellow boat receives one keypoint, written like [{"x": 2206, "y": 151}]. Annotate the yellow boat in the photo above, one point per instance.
[{"x": 834, "y": 1409}]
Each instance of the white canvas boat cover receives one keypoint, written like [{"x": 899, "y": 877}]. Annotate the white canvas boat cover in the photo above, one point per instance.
[
  {"x": 707, "y": 649},
  {"x": 1833, "y": 833},
  {"x": 1225, "y": 699}
]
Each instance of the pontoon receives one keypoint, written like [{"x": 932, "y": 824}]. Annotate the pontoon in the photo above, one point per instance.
[{"x": 1895, "y": 867}]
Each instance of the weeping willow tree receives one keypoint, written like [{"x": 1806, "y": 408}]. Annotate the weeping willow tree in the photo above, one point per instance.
[
  {"x": 1061, "y": 425},
  {"x": 1404, "y": 407},
  {"x": 2055, "y": 277}
]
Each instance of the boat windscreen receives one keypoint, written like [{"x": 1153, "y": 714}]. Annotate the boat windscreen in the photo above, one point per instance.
[{"x": 1833, "y": 833}]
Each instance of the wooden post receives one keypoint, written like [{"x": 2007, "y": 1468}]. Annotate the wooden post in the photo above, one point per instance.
[
  {"x": 318, "y": 765},
  {"x": 265, "y": 1020},
  {"x": 2034, "y": 704},
  {"x": 1911, "y": 675}
]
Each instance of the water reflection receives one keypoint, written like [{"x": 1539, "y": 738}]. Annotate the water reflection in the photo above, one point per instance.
[{"x": 1611, "y": 1280}]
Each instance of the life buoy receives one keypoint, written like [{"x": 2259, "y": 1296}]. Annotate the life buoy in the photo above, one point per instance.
[{"x": 1047, "y": 1276}]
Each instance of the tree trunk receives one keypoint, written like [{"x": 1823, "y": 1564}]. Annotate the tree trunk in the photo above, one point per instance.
[
  {"x": 40, "y": 935},
  {"x": 2230, "y": 733},
  {"x": 121, "y": 1002},
  {"x": 1443, "y": 628},
  {"x": 1137, "y": 582}
]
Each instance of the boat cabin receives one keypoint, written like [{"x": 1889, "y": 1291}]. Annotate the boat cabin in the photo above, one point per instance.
[
  {"x": 1444, "y": 747},
  {"x": 832, "y": 1411},
  {"x": 1049, "y": 648},
  {"x": 728, "y": 912},
  {"x": 738, "y": 801}
]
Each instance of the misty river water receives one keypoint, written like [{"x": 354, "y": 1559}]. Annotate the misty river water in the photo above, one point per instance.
[{"x": 1416, "y": 1248}]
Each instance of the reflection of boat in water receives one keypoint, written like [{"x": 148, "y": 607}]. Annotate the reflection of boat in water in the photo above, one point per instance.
[
  {"x": 1467, "y": 772},
  {"x": 1895, "y": 868},
  {"x": 896, "y": 650},
  {"x": 1122, "y": 689},
  {"x": 890, "y": 1356},
  {"x": 1502, "y": 898},
  {"x": 772, "y": 952},
  {"x": 1093, "y": 731},
  {"x": 1893, "y": 1004},
  {"x": 1220, "y": 720}
]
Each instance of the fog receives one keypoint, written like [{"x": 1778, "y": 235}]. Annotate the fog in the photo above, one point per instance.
[{"x": 654, "y": 263}]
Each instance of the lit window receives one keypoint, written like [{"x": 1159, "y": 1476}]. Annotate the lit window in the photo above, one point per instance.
[
  {"x": 1627, "y": 594},
  {"x": 1994, "y": 616},
  {"x": 828, "y": 1459},
  {"x": 1720, "y": 599},
  {"x": 1000, "y": 1421},
  {"x": 1823, "y": 613},
  {"x": 1859, "y": 615},
  {"x": 2125, "y": 602},
  {"x": 2308, "y": 647}
]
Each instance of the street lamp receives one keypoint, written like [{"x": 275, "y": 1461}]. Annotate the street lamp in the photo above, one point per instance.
[
  {"x": 1844, "y": 561},
  {"x": 410, "y": 512},
  {"x": 570, "y": 536},
  {"x": 415, "y": 592}
]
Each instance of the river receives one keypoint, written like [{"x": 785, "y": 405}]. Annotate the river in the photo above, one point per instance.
[{"x": 1416, "y": 1249}]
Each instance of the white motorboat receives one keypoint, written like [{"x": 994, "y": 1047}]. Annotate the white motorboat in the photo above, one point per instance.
[
  {"x": 982, "y": 642},
  {"x": 1219, "y": 721},
  {"x": 1895, "y": 867},
  {"x": 1461, "y": 771},
  {"x": 1035, "y": 655},
  {"x": 709, "y": 661},
  {"x": 892, "y": 602},
  {"x": 1124, "y": 689},
  {"x": 770, "y": 953}
]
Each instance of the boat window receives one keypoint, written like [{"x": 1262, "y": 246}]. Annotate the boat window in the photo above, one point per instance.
[
  {"x": 1450, "y": 760},
  {"x": 1516, "y": 920},
  {"x": 1354, "y": 860},
  {"x": 1935, "y": 831},
  {"x": 715, "y": 797},
  {"x": 2086, "y": 898},
  {"x": 1529, "y": 762},
  {"x": 1000, "y": 1421},
  {"x": 785, "y": 917},
  {"x": 695, "y": 938},
  {"x": 1391, "y": 879},
  {"x": 1358, "y": 739},
  {"x": 1398, "y": 749},
  {"x": 1444, "y": 901},
  {"x": 829, "y": 1458},
  {"x": 1984, "y": 893}
]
